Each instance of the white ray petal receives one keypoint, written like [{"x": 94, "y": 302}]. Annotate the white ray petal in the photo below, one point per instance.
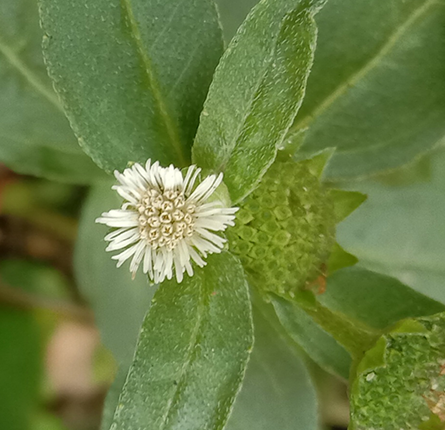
[
  {"x": 214, "y": 238},
  {"x": 126, "y": 194},
  {"x": 125, "y": 255},
  {"x": 148, "y": 266},
  {"x": 120, "y": 243},
  {"x": 191, "y": 181},
  {"x": 118, "y": 232},
  {"x": 137, "y": 258}
]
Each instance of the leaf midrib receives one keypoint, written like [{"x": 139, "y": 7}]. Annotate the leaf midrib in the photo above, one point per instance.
[
  {"x": 352, "y": 80},
  {"x": 30, "y": 77},
  {"x": 148, "y": 69},
  {"x": 240, "y": 128},
  {"x": 188, "y": 360},
  {"x": 391, "y": 142}
]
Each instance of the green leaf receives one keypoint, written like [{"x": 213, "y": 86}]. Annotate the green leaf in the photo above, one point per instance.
[
  {"x": 355, "y": 335},
  {"x": 292, "y": 143},
  {"x": 256, "y": 92},
  {"x": 339, "y": 259},
  {"x": 34, "y": 277},
  {"x": 356, "y": 307},
  {"x": 119, "y": 304},
  {"x": 35, "y": 137},
  {"x": 400, "y": 382},
  {"x": 399, "y": 230},
  {"x": 345, "y": 202},
  {"x": 21, "y": 352},
  {"x": 418, "y": 171},
  {"x": 318, "y": 344},
  {"x": 318, "y": 163},
  {"x": 21, "y": 367},
  {"x": 375, "y": 299},
  {"x": 132, "y": 74},
  {"x": 112, "y": 398},
  {"x": 33, "y": 157},
  {"x": 47, "y": 421},
  {"x": 192, "y": 352},
  {"x": 380, "y": 100},
  {"x": 277, "y": 391}
]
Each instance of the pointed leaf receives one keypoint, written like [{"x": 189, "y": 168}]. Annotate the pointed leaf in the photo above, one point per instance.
[
  {"x": 339, "y": 259},
  {"x": 192, "y": 352},
  {"x": 256, "y": 92},
  {"x": 345, "y": 202},
  {"x": 318, "y": 344},
  {"x": 292, "y": 143},
  {"x": 132, "y": 74},
  {"x": 375, "y": 299},
  {"x": 355, "y": 299},
  {"x": 35, "y": 137},
  {"x": 380, "y": 100},
  {"x": 318, "y": 163}
]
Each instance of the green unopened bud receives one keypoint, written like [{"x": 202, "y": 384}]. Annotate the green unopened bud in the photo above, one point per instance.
[{"x": 285, "y": 229}]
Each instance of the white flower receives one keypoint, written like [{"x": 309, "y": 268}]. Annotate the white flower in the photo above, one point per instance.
[{"x": 165, "y": 222}]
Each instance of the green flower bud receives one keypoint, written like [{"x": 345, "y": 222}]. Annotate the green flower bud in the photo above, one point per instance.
[{"x": 285, "y": 229}]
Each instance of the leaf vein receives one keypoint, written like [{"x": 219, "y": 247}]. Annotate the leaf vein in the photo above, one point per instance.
[
  {"x": 368, "y": 67},
  {"x": 187, "y": 363},
  {"x": 148, "y": 69},
  {"x": 184, "y": 70},
  {"x": 29, "y": 76},
  {"x": 167, "y": 25}
]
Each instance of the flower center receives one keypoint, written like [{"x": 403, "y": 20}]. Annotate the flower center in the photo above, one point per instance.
[{"x": 165, "y": 218}]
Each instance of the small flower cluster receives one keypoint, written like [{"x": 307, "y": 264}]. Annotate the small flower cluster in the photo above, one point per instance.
[{"x": 165, "y": 221}]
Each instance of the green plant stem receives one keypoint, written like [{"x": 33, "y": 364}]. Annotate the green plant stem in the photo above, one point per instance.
[{"x": 353, "y": 335}]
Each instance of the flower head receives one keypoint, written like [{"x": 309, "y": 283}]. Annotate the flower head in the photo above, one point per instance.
[{"x": 165, "y": 221}]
